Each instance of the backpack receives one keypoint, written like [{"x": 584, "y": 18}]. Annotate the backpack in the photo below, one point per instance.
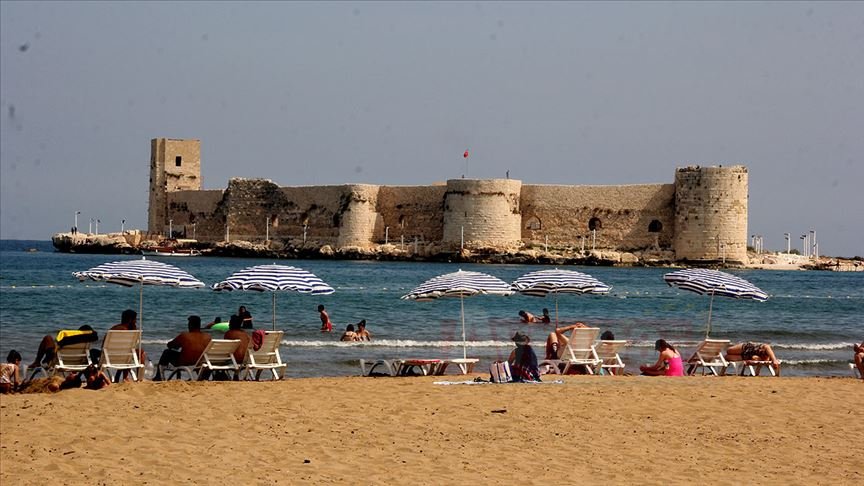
[{"x": 499, "y": 372}]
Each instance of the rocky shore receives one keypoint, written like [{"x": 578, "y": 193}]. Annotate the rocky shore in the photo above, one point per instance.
[{"x": 134, "y": 241}]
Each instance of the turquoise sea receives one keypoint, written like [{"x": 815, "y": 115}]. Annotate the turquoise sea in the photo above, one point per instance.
[{"x": 812, "y": 318}]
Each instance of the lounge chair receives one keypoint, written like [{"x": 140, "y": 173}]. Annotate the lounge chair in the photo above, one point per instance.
[
  {"x": 464, "y": 365},
  {"x": 218, "y": 356},
  {"x": 120, "y": 352},
  {"x": 709, "y": 356},
  {"x": 267, "y": 357},
  {"x": 390, "y": 367},
  {"x": 754, "y": 367},
  {"x": 67, "y": 359},
  {"x": 580, "y": 352},
  {"x": 414, "y": 367},
  {"x": 607, "y": 351}
]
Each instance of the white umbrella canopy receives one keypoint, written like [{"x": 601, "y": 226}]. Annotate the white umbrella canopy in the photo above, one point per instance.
[
  {"x": 705, "y": 281},
  {"x": 545, "y": 282},
  {"x": 275, "y": 278},
  {"x": 459, "y": 284},
  {"x": 140, "y": 272}
]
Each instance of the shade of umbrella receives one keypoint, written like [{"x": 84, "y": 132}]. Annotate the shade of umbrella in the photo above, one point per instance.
[
  {"x": 459, "y": 284},
  {"x": 275, "y": 278},
  {"x": 545, "y": 282},
  {"x": 714, "y": 282},
  {"x": 140, "y": 272}
]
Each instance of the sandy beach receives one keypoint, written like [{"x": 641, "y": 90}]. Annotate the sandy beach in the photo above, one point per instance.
[{"x": 410, "y": 431}]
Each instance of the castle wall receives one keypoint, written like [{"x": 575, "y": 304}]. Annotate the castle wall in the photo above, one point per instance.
[
  {"x": 412, "y": 212},
  {"x": 175, "y": 165},
  {"x": 711, "y": 213},
  {"x": 358, "y": 220},
  {"x": 624, "y": 215},
  {"x": 197, "y": 214},
  {"x": 486, "y": 210}
]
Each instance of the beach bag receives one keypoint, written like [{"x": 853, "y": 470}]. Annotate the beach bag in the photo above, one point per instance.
[{"x": 499, "y": 372}]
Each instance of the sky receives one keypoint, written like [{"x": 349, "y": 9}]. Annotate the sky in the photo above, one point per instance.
[{"x": 393, "y": 93}]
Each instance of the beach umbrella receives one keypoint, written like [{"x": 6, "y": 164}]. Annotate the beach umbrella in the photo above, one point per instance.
[
  {"x": 459, "y": 284},
  {"x": 545, "y": 282},
  {"x": 140, "y": 272},
  {"x": 275, "y": 278},
  {"x": 714, "y": 282}
]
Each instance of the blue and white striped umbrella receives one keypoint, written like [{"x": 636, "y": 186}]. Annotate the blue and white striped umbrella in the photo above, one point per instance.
[
  {"x": 459, "y": 284},
  {"x": 714, "y": 282},
  {"x": 140, "y": 272},
  {"x": 544, "y": 282},
  {"x": 275, "y": 278}
]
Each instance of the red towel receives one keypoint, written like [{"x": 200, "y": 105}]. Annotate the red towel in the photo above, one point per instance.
[{"x": 257, "y": 339}]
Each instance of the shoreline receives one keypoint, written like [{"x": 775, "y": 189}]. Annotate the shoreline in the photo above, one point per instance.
[{"x": 410, "y": 431}]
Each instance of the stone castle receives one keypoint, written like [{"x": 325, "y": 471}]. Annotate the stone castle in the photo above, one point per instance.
[{"x": 701, "y": 217}]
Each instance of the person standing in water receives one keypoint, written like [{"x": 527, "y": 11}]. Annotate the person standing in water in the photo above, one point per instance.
[{"x": 326, "y": 325}]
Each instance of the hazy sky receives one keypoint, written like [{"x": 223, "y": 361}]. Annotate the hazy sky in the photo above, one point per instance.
[{"x": 393, "y": 93}]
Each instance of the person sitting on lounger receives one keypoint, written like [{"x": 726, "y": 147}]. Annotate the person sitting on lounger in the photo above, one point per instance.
[
  {"x": 526, "y": 317},
  {"x": 523, "y": 360},
  {"x": 235, "y": 331},
  {"x": 556, "y": 342},
  {"x": 128, "y": 321},
  {"x": 668, "y": 363},
  {"x": 545, "y": 319},
  {"x": 859, "y": 358},
  {"x": 48, "y": 346},
  {"x": 186, "y": 348},
  {"x": 362, "y": 333},
  {"x": 752, "y": 351}
]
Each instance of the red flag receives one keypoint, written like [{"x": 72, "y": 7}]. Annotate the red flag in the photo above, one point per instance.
[{"x": 465, "y": 155}]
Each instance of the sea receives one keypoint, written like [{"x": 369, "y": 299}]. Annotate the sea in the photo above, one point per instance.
[{"x": 812, "y": 318}]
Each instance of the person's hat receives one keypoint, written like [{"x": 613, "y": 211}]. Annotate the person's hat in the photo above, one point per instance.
[{"x": 521, "y": 338}]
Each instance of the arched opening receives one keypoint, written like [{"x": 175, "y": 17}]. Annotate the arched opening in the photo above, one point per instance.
[
  {"x": 595, "y": 224},
  {"x": 533, "y": 223},
  {"x": 655, "y": 226}
]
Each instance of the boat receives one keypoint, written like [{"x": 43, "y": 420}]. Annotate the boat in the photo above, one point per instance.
[{"x": 170, "y": 252}]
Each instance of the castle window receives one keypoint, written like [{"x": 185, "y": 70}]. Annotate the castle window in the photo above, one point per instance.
[
  {"x": 655, "y": 226},
  {"x": 178, "y": 161},
  {"x": 533, "y": 223},
  {"x": 595, "y": 224}
]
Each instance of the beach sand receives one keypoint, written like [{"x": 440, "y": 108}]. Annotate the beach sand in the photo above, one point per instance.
[{"x": 409, "y": 431}]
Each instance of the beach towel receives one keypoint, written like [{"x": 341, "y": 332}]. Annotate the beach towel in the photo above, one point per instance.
[
  {"x": 68, "y": 336},
  {"x": 257, "y": 339}
]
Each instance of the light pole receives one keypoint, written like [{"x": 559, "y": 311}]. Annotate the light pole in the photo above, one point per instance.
[
  {"x": 194, "y": 231},
  {"x": 788, "y": 242},
  {"x": 97, "y": 226},
  {"x": 304, "y": 232},
  {"x": 803, "y": 245},
  {"x": 90, "y": 227},
  {"x": 76, "y": 220},
  {"x": 122, "y": 225},
  {"x": 170, "y": 229},
  {"x": 267, "y": 234},
  {"x": 813, "y": 245},
  {"x": 386, "y": 234}
]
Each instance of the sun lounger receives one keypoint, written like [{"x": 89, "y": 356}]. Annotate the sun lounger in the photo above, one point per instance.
[
  {"x": 464, "y": 365},
  {"x": 709, "y": 356},
  {"x": 388, "y": 367},
  {"x": 120, "y": 352},
  {"x": 267, "y": 357},
  {"x": 754, "y": 367},
  {"x": 218, "y": 356},
  {"x": 67, "y": 359},
  {"x": 580, "y": 352},
  {"x": 414, "y": 367},
  {"x": 607, "y": 351}
]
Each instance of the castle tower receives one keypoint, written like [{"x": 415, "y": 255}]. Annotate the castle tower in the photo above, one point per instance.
[
  {"x": 175, "y": 165},
  {"x": 486, "y": 212},
  {"x": 711, "y": 214}
]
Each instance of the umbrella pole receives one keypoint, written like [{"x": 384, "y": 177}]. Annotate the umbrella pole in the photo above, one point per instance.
[
  {"x": 556, "y": 310},
  {"x": 464, "y": 341},
  {"x": 141, "y": 327},
  {"x": 274, "y": 310},
  {"x": 710, "y": 306}
]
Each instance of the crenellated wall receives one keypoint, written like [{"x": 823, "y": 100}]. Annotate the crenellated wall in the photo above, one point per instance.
[
  {"x": 711, "y": 213},
  {"x": 487, "y": 211},
  {"x": 702, "y": 216}
]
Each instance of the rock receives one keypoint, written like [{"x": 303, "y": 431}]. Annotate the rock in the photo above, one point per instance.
[{"x": 326, "y": 250}]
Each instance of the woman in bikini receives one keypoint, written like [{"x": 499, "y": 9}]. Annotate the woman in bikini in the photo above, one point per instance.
[
  {"x": 753, "y": 351},
  {"x": 668, "y": 363}
]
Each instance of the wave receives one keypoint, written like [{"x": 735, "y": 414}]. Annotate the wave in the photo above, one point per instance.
[
  {"x": 815, "y": 347},
  {"x": 813, "y": 362}
]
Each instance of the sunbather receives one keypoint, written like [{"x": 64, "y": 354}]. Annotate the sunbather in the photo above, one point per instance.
[
  {"x": 523, "y": 360},
  {"x": 235, "y": 331},
  {"x": 668, "y": 363},
  {"x": 10, "y": 372},
  {"x": 48, "y": 347},
  {"x": 752, "y": 351},
  {"x": 128, "y": 321},
  {"x": 556, "y": 342},
  {"x": 859, "y": 358},
  {"x": 186, "y": 348}
]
